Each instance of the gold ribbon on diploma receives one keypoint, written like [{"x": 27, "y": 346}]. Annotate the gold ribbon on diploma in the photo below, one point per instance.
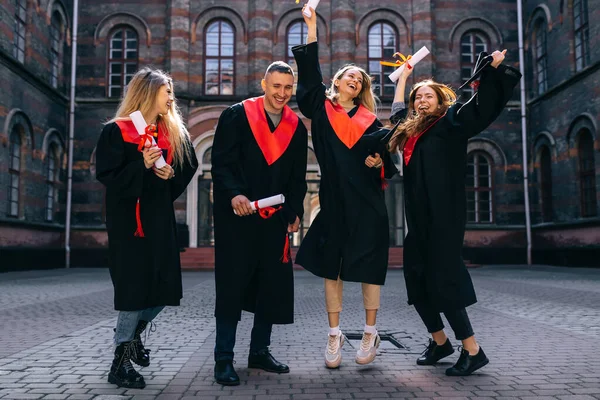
[{"x": 398, "y": 63}]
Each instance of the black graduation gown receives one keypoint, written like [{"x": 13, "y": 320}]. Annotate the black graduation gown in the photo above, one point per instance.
[
  {"x": 145, "y": 271},
  {"x": 435, "y": 198},
  {"x": 349, "y": 237},
  {"x": 249, "y": 271}
]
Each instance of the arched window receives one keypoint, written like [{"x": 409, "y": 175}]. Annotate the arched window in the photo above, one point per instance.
[
  {"x": 19, "y": 29},
  {"x": 540, "y": 58},
  {"x": 582, "y": 34},
  {"x": 545, "y": 174},
  {"x": 587, "y": 173},
  {"x": 295, "y": 35},
  {"x": 122, "y": 59},
  {"x": 56, "y": 49},
  {"x": 382, "y": 44},
  {"x": 219, "y": 54},
  {"x": 52, "y": 170},
  {"x": 471, "y": 44},
  {"x": 479, "y": 188},
  {"x": 14, "y": 170}
]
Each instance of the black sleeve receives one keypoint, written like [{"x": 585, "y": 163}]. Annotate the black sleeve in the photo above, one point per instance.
[
  {"x": 123, "y": 177},
  {"x": 310, "y": 93},
  {"x": 390, "y": 168},
  {"x": 226, "y": 171},
  {"x": 495, "y": 90},
  {"x": 399, "y": 115},
  {"x": 294, "y": 198},
  {"x": 184, "y": 172}
]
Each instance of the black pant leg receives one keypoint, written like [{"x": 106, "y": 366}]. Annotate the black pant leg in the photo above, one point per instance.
[
  {"x": 430, "y": 317},
  {"x": 226, "y": 330},
  {"x": 260, "y": 338},
  {"x": 460, "y": 323}
]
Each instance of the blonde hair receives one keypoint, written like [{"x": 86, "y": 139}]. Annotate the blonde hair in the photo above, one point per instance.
[
  {"x": 415, "y": 123},
  {"x": 366, "y": 97},
  {"x": 140, "y": 94}
]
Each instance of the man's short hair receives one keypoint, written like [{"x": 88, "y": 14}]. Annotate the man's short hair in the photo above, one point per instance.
[{"x": 281, "y": 67}]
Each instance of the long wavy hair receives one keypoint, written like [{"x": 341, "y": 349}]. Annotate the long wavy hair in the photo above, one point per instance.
[
  {"x": 366, "y": 97},
  {"x": 140, "y": 94},
  {"x": 416, "y": 123}
]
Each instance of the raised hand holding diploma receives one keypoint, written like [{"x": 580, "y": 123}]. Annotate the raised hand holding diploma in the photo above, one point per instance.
[
  {"x": 407, "y": 62},
  {"x": 498, "y": 57}
]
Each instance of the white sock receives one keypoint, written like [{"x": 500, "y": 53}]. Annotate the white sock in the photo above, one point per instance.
[
  {"x": 370, "y": 329},
  {"x": 334, "y": 331}
]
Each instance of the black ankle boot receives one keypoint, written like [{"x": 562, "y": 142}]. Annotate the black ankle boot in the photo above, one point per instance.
[
  {"x": 468, "y": 364},
  {"x": 225, "y": 373},
  {"x": 140, "y": 355},
  {"x": 122, "y": 372},
  {"x": 435, "y": 353},
  {"x": 263, "y": 359}
]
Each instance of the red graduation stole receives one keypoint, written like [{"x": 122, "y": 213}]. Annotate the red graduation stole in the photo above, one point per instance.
[
  {"x": 409, "y": 146},
  {"x": 347, "y": 129},
  {"x": 131, "y": 135},
  {"x": 272, "y": 145}
]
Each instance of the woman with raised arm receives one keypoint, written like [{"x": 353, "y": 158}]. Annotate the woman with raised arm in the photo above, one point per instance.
[
  {"x": 349, "y": 238},
  {"x": 433, "y": 139}
]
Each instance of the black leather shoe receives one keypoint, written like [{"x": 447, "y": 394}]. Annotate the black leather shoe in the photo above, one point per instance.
[
  {"x": 265, "y": 361},
  {"x": 468, "y": 364},
  {"x": 225, "y": 373},
  {"x": 435, "y": 353}
]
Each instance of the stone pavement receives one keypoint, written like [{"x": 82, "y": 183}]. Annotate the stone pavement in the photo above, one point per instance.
[{"x": 540, "y": 327}]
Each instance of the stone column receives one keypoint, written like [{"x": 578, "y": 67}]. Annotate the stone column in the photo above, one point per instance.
[{"x": 260, "y": 42}]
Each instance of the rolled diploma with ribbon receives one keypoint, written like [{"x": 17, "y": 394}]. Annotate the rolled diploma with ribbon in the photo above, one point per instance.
[
  {"x": 140, "y": 125},
  {"x": 312, "y": 4},
  {"x": 267, "y": 202},
  {"x": 415, "y": 58}
]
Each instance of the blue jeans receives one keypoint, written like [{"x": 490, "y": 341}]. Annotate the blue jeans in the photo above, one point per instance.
[
  {"x": 128, "y": 320},
  {"x": 260, "y": 338}
]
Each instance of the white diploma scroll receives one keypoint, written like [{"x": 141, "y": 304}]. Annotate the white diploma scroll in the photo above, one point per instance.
[
  {"x": 312, "y": 4},
  {"x": 415, "y": 58},
  {"x": 267, "y": 202},
  {"x": 140, "y": 125}
]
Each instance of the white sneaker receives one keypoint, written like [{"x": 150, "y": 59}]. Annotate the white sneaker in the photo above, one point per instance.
[
  {"x": 333, "y": 352},
  {"x": 368, "y": 348}
]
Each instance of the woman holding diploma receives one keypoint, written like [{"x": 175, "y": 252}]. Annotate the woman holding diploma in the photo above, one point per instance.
[
  {"x": 259, "y": 151},
  {"x": 349, "y": 238},
  {"x": 140, "y": 218},
  {"x": 433, "y": 138}
]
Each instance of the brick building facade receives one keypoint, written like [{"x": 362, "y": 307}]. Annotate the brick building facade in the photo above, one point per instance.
[{"x": 218, "y": 51}]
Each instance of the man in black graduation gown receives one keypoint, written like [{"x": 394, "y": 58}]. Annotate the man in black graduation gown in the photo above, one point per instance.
[{"x": 259, "y": 150}]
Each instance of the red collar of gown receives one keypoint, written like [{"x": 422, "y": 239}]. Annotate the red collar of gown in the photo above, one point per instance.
[
  {"x": 272, "y": 145},
  {"x": 347, "y": 129},
  {"x": 131, "y": 135}
]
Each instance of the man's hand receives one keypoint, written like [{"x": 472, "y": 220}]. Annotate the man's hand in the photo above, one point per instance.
[
  {"x": 375, "y": 161},
  {"x": 295, "y": 226},
  {"x": 241, "y": 205},
  {"x": 498, "y": 57}
]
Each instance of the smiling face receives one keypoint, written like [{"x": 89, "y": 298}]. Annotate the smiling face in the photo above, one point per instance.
[
  {"x": 350, "y": 84},
  {"x": 426, "y": 100},
  {"x": 164, "y": 99},
  {"x": 278, "y": 88}
]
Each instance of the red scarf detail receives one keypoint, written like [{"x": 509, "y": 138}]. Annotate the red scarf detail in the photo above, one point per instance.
[
  {"x": 131, "y": 135},
  {"x": 268, "y": 212},
  {"x": 409, "y": 146},
  {"x": 272, "y": 145},
  {"x": 347, "y": 129}
]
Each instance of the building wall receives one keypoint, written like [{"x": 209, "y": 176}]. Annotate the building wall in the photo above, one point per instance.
[{"x": 171, "y": 36}]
